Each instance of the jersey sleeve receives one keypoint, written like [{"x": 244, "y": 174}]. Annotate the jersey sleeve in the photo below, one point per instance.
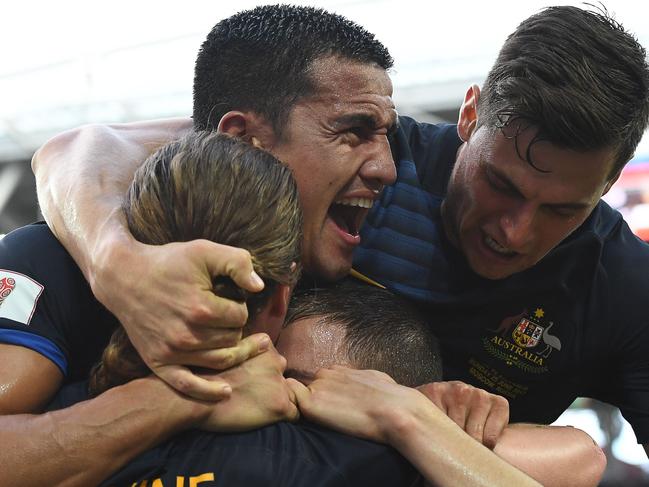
[{"x": 42, "y": 293}]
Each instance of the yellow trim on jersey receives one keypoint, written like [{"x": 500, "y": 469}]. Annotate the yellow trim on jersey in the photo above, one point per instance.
[{"x": 361, "y": 277}]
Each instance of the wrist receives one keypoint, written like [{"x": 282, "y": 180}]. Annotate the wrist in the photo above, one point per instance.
[
  {"x": 114, "y": 245},
  {"x": 174, "y": 411},
  {"x": 400, "y": 424}
]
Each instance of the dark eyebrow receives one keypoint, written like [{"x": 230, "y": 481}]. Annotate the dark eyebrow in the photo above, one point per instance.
[
  {"x": 567, "y": 206},
  {"x": 365, "y": 120},
  {"x": 508, "y": 183}
]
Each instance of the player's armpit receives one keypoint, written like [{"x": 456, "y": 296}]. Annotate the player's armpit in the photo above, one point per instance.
[{"x": 28, "y": 380}]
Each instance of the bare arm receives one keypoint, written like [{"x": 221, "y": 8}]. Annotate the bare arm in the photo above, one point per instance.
[
  {"x": 82, "y": 177},
  {"x": 370, "y": 405},
  {"x": 28, "y": 380},
  {"x": 85, "y": 443},
  {"x": 553, "y": 455}
]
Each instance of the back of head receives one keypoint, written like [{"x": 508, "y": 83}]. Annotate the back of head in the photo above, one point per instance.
[
  {"x": 382, "y": 331},
  {"x": 219, "y": 188},
  {"x": 577, "y": 77},
  {"x": 214, "y": 187},
  {"x": 259, "y": 60}
]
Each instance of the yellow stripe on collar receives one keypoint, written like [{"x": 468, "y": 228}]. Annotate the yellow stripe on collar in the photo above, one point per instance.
[{"x": 361, "y": 277}]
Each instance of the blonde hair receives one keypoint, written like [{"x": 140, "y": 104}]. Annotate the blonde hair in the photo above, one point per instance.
[{"x": 215, "y": 187}]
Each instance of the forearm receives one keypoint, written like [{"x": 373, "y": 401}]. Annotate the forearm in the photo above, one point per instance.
[
  {"x": 83, "y": 444},
  {"x": 82, "y": 176},
  {"x": 555, "y": 456},
  {"x": 446, "y": 456}
]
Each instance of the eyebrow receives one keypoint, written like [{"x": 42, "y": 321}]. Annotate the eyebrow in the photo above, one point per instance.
[
  {"x": 504, "y": 179},
  {"x": 364, "y": 120}
]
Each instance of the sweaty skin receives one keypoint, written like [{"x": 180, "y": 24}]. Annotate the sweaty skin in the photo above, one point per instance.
[
  {"x": 85, "y": 443},
  {"x": 428, "y": 425},
  {"x": 505, "y": 214}
]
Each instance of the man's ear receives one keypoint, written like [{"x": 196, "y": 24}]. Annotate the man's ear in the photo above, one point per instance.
[
  {"x": 233, "y": 123},
  {"x": 247, "y": 126},
  {"x": 611, "y": 182},
  {"x": 468, "y": 117},
  {"x": 279, "y": 301},
  {"x": 270, "y": 319}
]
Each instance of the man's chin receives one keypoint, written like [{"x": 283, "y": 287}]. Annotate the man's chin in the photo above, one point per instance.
[
  {"x": 491, "y": 272},
  {"x": 332, "y": 270}
]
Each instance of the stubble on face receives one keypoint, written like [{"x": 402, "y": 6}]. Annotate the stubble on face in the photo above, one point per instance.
[
  {"x": 506, "y": 214},
  {"x": 336, "y": 145}
]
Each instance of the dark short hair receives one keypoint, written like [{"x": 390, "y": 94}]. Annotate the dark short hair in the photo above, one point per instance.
[
  {"x": 382, "y": 331},
  {"x": 219, "y": 188},
  {"x": 575, "y": 75},
  {"x": 259, "y": 60}
]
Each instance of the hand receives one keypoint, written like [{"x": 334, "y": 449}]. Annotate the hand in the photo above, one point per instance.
[
  {"x": 260, "y": 396},
  {"x": 363, "y": 403},
  {"x": 163, "y": 297},
  {"x": 481, "y": 414}
]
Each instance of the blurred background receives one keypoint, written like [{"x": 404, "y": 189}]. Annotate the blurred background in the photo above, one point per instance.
[{"x": 65, "y": 64}]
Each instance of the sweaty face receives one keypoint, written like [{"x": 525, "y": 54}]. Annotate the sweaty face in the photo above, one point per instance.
[
  {"x": 335, "y": 141},
  {"x": 504, "y": 214}
]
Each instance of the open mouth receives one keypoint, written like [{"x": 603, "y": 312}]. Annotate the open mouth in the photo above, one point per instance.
[
  {"x": 494, "y": 246},
  {"x": 348, "y": 214}
]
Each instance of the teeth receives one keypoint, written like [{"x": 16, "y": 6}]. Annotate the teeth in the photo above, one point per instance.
[
  {"x": 496, "y": 247},
  {"x": 361, "y": 202}
]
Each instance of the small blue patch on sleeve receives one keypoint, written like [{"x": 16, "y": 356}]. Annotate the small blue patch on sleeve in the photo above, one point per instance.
[{"x": 36, "y": 343}]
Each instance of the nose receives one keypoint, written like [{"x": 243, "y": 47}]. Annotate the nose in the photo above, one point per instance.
[
  {"x": 378, "y": 167},
  {"x": 517, "y": 225}
]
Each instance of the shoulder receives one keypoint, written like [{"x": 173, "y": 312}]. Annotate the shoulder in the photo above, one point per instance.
[
  {"x": 625, "y": 257},
  {"x": 621, "y": 285},
  {"x": 284, "y": 454},
  {"x": 33, "y": 259},
  {"x": 431, "y": 147},
  {"x": 46, "y": 304},
  {"x": 35, "y": 251}
]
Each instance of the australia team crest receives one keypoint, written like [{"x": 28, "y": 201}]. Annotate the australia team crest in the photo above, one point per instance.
[
  {"x": 525, "y": 340},
  {"x": 527, "y": 334}
]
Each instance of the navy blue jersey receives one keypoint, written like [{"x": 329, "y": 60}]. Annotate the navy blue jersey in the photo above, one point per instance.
[
  {"x": 570, "y": 326},
  {"x": 281, "y": 455},
  {"x": 46, "y": 304}
]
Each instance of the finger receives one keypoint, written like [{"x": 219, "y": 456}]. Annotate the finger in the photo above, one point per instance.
[
  {"x": 217, "y": 312},
  {"x": 188, "y": 341},
  {"x": 236, "y": 263},
  {"x": 294, "y": 411},
  {"x": 182, "y": 379},
  {"x": 301, "y": 393},
  {"x": 496, "y": 422},
  {"x": 458, "y": 413},
  {"x": 225, "y": 358},
  {"x": 476, "y": 419}
]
